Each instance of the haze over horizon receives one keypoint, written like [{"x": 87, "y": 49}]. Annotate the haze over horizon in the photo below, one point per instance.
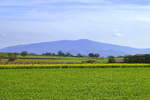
[
  {"x": 125, "y": 23},
  {"x": 24, "y": 44}
]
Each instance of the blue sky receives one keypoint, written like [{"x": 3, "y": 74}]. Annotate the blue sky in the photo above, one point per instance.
[{"x": 122, "y": 22}]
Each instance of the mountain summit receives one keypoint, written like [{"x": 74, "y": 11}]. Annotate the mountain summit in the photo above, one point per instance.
[{"x": 82, "y": 46}]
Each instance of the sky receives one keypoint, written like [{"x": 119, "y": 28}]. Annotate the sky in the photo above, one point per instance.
[{"x": 121, "y": 22}]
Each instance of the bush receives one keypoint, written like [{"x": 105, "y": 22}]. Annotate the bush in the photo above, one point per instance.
[
  {"x": 96, "y": 55},
  {"x": 90, "y": 61},
  {"x": 60, "y": 53},
  {"x": 12, "y": 57},
  {"x": 24, "y": 53}
]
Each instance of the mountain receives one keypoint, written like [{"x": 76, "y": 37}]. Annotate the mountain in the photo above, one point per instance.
[{"x": 82, "y": 46}]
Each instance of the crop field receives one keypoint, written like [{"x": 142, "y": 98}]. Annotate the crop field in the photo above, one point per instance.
[
  {"x": 75, "y": 84},
  {"x": 49, "y": 66}
]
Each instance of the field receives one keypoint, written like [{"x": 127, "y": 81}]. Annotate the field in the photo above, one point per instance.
[
  {"x": 50, "y": 66},
  {"x": 37, "y": 77},
  {"x": 54, "y": 59},
  {"x": 75, "y": 84}
]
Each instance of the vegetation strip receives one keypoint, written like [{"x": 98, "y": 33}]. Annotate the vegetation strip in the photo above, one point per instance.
[{"x": 48, "y": 66}]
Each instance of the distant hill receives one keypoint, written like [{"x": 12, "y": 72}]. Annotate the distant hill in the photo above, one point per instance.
[{"x": 82, "y": 46}]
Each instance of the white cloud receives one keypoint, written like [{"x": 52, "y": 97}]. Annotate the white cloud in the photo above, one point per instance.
[{"x": 117, "y": 33}]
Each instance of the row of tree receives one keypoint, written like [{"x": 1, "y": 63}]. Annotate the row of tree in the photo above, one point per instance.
[
  {"x": 145, "y": 58},
  {"x": 14, "y": 56},
  {"x": 67, "y": 54},
  {"x": 137, "y": 58},
  {"x": 111, "y": 59},
  {"x": 60, "y": 53}
]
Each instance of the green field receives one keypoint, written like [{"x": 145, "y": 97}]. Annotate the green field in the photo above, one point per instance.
[
  {"x": 56, "y": 59},
  {"x": 75, "y": 84},
  {"x": 66, "y": 59}
]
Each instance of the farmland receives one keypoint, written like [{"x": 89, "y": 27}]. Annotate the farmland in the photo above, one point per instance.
[
  {"x": 38, "y": 77},
  {"x": 50, "y": 66},
  {"x": 53, "y": 59},
  {"x": 75, "y": 84}
]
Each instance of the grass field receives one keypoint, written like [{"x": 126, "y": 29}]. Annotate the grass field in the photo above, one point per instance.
[
  {"x": 75, "y": 84},
  {"x": 98, "y": 81}
]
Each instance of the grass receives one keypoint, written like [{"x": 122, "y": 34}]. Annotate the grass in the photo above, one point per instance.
[
  {"x": 75, "y": 84},
  {"x": 98, "y": 81}
]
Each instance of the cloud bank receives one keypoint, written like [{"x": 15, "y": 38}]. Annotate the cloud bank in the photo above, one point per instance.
[{"x": 27, "y": 21}]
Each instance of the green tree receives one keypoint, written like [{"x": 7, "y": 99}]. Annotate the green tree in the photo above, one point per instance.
[
  {"x": 94, "y": 55},
  {"x": 97, "y": 55},
  {"x": 68, "y": 54},
  {"x": 91, "y": 54},
  {"x": 24, "y": 53},
  {"x": 60, "y": 53},
  {"x": 79, "y": 55},
  {"x": 111, "y": 59}
]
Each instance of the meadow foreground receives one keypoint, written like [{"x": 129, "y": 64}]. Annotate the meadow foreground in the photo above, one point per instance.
[{"x": 75, "y": 84}]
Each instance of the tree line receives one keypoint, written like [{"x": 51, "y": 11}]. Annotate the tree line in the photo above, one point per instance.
[
  {"x": 145, "y": 58},
  {"x": 67, "y": 54},
  {"x": 14, "y": 56}
]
